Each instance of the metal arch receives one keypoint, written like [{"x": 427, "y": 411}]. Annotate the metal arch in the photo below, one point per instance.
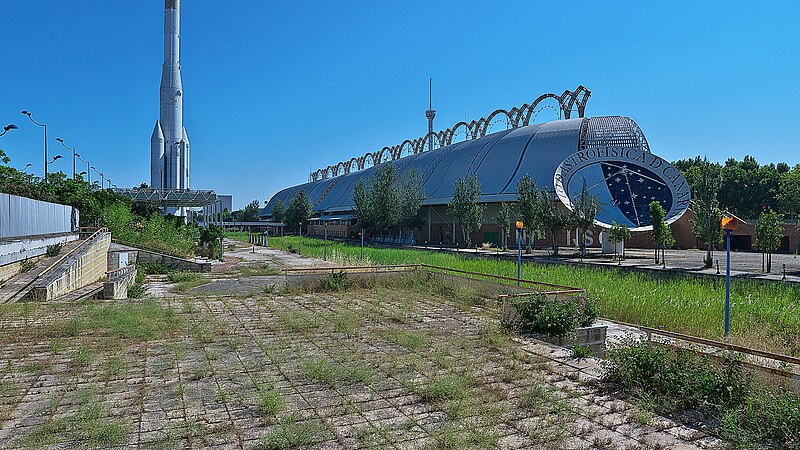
[
  {"x": 516, "y": 116},
  {"x": 491, "y": 117},
  {"x": 450, "y": 133},
  {"x": 581, "y": 92},
  {"x": 531, "y": 110}
]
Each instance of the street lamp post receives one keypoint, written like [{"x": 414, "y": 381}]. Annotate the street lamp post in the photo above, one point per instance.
[
  {"x": 520, "y": 225},
  {"x": 325, "y": 243},
  {"x": 10, "y": 126},
  {"x": 55, "y": 158},
  {"x": 28, "y": 113},
  {"x": 74, "y": 155},
  {"x": 300, "y": 252},
  {"x": 728, "y": 224}
]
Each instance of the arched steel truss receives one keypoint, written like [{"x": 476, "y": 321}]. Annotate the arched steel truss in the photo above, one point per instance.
[{"x": 524, "y": 115}]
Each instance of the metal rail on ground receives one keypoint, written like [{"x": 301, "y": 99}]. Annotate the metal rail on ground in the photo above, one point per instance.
[
  {"x": 559, "y": 289},
  {"x": 721, "y": 346},
  {"x": 550, "y": 288},
  {"x": 26, "y": 287}
]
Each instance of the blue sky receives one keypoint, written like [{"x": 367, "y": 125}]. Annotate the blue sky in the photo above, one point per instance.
[{"x": 273, "y": 88}]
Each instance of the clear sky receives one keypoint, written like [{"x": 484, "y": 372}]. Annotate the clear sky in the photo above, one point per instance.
[{"x": 274, "y": 88}]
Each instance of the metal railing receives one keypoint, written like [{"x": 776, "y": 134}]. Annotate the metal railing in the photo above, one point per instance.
[
  {"x": 781, "y": 358},
  {"x": 538, "y": 286}
]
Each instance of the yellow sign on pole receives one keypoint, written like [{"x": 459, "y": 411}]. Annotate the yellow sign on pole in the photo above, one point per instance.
[
  {"x": 520, "y": 225},
  {"x": 730, "y": 223}
]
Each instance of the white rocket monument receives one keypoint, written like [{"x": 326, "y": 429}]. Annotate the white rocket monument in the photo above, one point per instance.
[{"x": 169, "y": 145}]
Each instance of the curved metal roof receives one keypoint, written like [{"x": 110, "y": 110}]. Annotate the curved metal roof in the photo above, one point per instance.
[{"x": 499, "y": 160}]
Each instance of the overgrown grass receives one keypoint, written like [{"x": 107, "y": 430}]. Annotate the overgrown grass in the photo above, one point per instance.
[
  {"x": 765, "y": 316},
  {"x": 186, "y": 281},
  {"x": 410, "y": 340},
  {"x": 270, "y": 401},
  {"x": 672, "y": 380},
  {"x": 331, "y": 373},
  {"x": 141, "y": 321},
  {"x": 91, "y": 423},
  {"x": 444, "y": 387},
  {"x": 259, "y": 271},
  {"x": 292, "y": 434}
]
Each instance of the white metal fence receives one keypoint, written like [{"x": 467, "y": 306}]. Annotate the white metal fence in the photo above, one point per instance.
[{"x": 21, "y": 216}]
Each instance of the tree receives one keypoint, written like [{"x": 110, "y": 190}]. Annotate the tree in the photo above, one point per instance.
[
  {"x": 278, "y": 212},
  {"x": 250, "y": 212},
  {"x": 299, "y": 210},
  {"x": 503, "y": 219},
  {"x": 388, "y": 202},
  {"x": 789, "y": 192},
  {"x": 464, "y": 207},
  {"x": 411, "y": 196},
  {"x": 707, "y": 213},
  {"x": 552, "y": 217},
  {"x": 210, "y": 236},
  {"x": 528, "y": 204},
  {"x": 769, "y": 233},
  {"x": 363, "y": 213},
  {"x": 619, "y": 233},
  {"x": 662, "y": 234},
  {"x": 384, "y": 198},
  {"x": 584, "y": 210}
]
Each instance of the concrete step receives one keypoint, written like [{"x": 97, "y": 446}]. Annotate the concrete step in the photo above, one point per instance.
[
  {"x": 18, "y": 287},
  {"x": 89, "y": 291}
]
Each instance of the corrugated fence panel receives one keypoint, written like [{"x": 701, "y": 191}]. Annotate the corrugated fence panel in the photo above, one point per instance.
[{"x": 21, "y": 216}]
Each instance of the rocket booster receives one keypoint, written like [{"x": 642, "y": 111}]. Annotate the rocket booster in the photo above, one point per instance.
[{"x": 173, "y": 165}]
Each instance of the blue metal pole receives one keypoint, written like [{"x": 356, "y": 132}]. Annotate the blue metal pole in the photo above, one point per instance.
[
  {"x": 519, "y": 258},
  {"x": 728, "y": 283}
]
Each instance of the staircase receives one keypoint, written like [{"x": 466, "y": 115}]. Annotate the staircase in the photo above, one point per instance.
[{"x": 19, "y": 286}]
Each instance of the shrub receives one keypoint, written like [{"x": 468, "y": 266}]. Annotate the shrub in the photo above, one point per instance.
[
  {"x": 771, "y": 418},
  {"x": 336, "y": 282},
  {"x": 581, "y": 351},
  {"x": 26, "y": 265},
  {"x": 53, "y": 250},
  {"x": 751, "y": 416},
  {"x": 556, "y": 317},
  {"x": 136, "y": 291},
  {"x": 679, "y": 378},
  {"x": 154, "y": 268}
]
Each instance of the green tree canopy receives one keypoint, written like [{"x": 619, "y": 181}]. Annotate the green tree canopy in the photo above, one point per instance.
[
  {"x": 503, "y": 219},
  {"x": 250, "y": 212},
  {"x": 584, "y": 210},
  {"x": 299, "y": 211},
  {"x": 464, "y": 207},
  {"x": 618, "y": 233},
  {"x": 529, "y": 204},
  {"x": 706, "y": 182},
  {"x": 769, "y": 234},
  {"x": 662, "y": 234},
  {"x": 789, "y": 192},
  {"x": 387, "y": 201},
  {"x": 278, "y": 212},
  {"x": 551, "y": 215}
]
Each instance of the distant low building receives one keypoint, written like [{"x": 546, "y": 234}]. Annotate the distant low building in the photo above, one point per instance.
[{"x": 610, "y": 156}]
